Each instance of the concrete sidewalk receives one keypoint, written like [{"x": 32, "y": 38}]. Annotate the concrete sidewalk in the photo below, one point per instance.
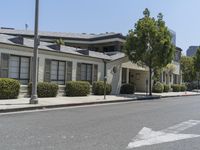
[{"x": 22, "y": 104}]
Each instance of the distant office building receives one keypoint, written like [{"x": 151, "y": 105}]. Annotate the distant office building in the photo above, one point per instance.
[
  {"x": 191, "y": 51},
  {"x": 173, "y": 34}
]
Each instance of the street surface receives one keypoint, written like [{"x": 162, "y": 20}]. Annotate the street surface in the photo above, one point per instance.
[{"x": 167, "y": 124}]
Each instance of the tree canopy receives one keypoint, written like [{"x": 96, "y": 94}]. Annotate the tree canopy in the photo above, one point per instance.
[
  {"x": 197, "y": 60},
  {"x": 187, "y": 68},
  {"x": 150, "y": 43}
]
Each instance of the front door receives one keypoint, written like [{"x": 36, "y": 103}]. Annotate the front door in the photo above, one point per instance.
[{"x": 131, "y": 77}]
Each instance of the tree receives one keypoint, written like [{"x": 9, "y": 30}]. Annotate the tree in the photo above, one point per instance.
[
  {"x": 187, "y": 67},
  {"x": 197, "y": 60},
  {"x": 197, "y": 65},
  {"x": 150, "y": 44}
]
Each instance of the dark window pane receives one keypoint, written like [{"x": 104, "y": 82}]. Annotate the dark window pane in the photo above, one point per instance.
[{"x": 69, "y": 71}]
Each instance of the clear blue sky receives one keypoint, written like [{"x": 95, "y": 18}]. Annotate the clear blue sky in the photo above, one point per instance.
[{"x": 97, "y": 16}]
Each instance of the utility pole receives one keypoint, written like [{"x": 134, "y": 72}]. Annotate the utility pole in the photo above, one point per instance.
[{"x": 34, "y": 96}]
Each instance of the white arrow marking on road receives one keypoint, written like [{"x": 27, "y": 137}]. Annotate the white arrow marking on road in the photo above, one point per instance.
[{"x": 149, "y": 137}]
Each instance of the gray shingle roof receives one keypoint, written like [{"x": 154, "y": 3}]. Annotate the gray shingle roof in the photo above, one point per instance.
[
  {"x": 65, "y": 49},
  {"x": 56, "y": 34}
]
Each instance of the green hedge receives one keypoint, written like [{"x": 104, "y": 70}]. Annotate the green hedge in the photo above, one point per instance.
[
  {"x": 158, "y": 87},
  {"x": 77, "y": 88},
  {"x": 127, "y": 89},
  {"x": 183, "y": 87},
  {"x": 45, "y": 89},
  {"x": 166, "y": 88},
  {"x": 98, "y": 88},
  {"x": 176, "y": 88},
  {"x": 9, "y": 88}
]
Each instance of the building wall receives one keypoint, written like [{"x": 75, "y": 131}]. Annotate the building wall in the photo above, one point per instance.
[
  {"x": 115, "y": 78},
  {"x": 21, "y": 51},
  {"x": 114, "y": 68}
]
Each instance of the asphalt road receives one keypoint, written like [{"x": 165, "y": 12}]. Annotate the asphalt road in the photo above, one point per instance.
[{"x": 103, "y": 127}]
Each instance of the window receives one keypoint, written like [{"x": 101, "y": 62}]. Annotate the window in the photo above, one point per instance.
[
  {"x": 15, "y": 67},
  {"x": 55, "y": 71},
  {"x": 124, "y": 75},
  {"x": 109, "y": 48},
  {"x": 164, "y": 75},
  {"x": 175, "y": 79},
  {"x": 86, "y": 72},
  {"x": 4, "y": 65}
]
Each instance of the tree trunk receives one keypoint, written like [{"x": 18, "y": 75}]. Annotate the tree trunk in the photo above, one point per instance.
[{"x": 150, "y": 81}]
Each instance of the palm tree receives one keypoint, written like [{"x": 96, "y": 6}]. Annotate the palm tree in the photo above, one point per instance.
[{"x": 60, "y": 41}]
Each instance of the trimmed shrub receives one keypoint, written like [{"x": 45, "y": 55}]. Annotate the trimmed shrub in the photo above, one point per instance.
[
  {"x": 166, "y": 88},
  {"x": 158, "y": 87},
  {"x": 9, "y": 88},
  {"x": 127, "y": 89},
  {"x": 183, "y": 87},
  {"x": 77, "y": 88},
  {"x": 191, "y": 85},
  {"x": 176, "y": 88},
  {"x": 98, "y": 88},
  {"x": 45, "y": 89}
]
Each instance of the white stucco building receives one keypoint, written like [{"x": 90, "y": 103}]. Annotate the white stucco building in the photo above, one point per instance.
[{"x": 82, "y": 58}]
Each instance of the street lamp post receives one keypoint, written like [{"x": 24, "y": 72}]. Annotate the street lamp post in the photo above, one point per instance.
[{"x": 34, "y": 96}]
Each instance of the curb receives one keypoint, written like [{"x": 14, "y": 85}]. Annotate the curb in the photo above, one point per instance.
[
  {"x": 77, "y": 104},
  {"x": 185, "y": 95},
  {"x": 139, "y": 98}
]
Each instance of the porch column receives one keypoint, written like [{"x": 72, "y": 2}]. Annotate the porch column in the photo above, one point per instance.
[
  {"x": 172, "y": 77},
  {"x": 181, "y": 78},
  {"x": 127, "y": 75}
]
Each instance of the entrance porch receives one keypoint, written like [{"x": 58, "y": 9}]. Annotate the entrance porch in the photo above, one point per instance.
[{"x": 136, "y": 77}]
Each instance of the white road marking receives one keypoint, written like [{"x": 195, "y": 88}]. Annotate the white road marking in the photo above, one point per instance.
[{"x": 149, "y": 137}]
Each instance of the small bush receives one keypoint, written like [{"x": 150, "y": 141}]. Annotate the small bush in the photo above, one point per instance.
[
  {"x": 98, "y": 88},
  {"x": 9, "y": 88},
  {"x": 176, "y": 88},
  {"x": 166, "y": 88},
  {"x": 45, "y": 89},
  {"x": 183, "y": 87},
  {"x": 191, "y": 85},
  {"x": 77, "y": 88},
  {"x": 158, "y": 87},
  {"x": 127, "y": 89}
]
